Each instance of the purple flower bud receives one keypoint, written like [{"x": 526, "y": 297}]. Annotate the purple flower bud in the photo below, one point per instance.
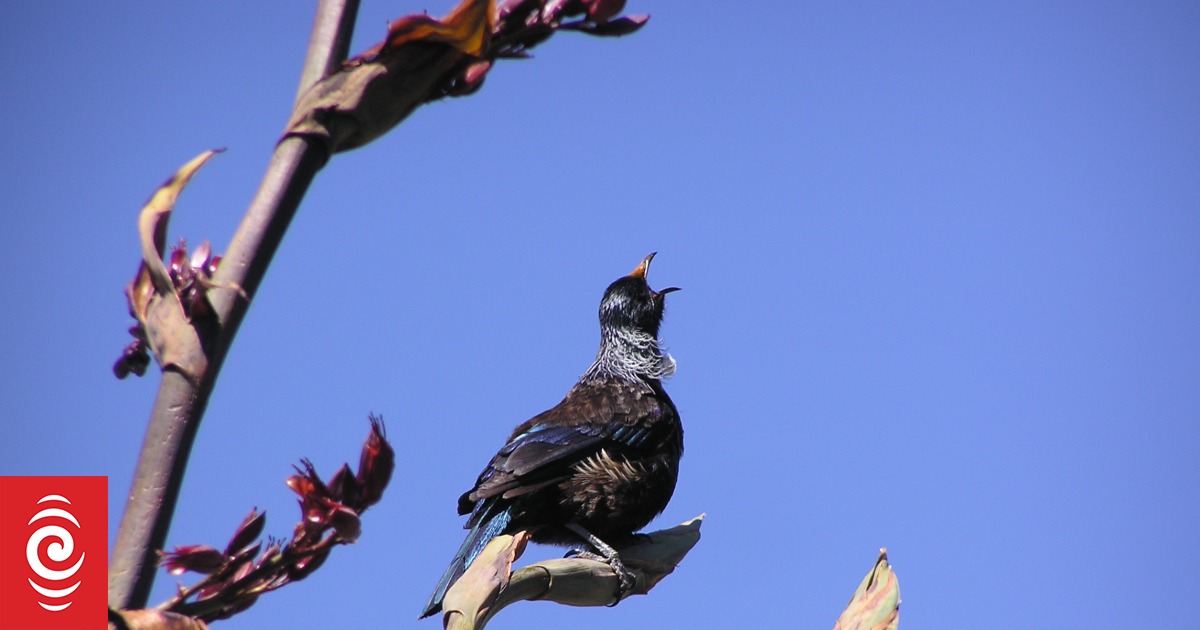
[
  {"x": 134, "y": 359},
  {"x": 212, "y": 590},
  {"x": 237, "y": 607},
  {"x": 200, "y": 257},
  {"x": 244, "y": 557},
  {"x": 245, "y": 569},
  {"x": 472, "y": 78},
  {"x": 271, "y": 552},
  {"x": 611, "y": 28},
  {"x": 554, "y": 10},
  {"x": 305, "y": 566},
  {"x": 198, "y": 558},
  {"x": 246, "y": 533},
  {"x": 600, "y": 11}
]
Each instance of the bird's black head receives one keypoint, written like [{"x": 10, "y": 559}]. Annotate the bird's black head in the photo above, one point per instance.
[{"x": 630, "y": 304}]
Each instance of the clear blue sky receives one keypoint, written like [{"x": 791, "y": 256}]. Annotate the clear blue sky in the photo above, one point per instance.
[{"x": 941, "y": 271}]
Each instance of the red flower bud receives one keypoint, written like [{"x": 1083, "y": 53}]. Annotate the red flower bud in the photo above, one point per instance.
[
  {"x": 345, "y": 523},
  {"x": 213, "y": 263},
  {"x": 178, "y": 267},
  {"x": 343, "y": 487},
  {"x": 375, "y": 465}
]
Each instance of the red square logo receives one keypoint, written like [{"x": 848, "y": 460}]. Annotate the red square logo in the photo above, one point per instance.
[{"x": 53, "y": 553}]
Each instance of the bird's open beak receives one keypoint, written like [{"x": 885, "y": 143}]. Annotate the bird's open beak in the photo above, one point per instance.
[{"x": 643, "y": 267}]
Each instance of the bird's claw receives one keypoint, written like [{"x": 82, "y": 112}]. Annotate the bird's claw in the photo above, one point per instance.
[{"x": 626, "y": 579}]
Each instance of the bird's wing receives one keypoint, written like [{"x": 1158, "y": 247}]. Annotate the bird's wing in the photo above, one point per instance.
[{"x": 544, "y": 449}]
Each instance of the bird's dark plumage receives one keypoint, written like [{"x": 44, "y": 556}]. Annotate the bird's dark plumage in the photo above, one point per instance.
[{"x": 603, "y": 461}]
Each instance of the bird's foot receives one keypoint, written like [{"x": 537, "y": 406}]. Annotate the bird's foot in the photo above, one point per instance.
[{"x": 626, "y": 579}]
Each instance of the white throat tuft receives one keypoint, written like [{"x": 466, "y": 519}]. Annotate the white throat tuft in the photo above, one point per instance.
[{"x": 630, "y": 355}]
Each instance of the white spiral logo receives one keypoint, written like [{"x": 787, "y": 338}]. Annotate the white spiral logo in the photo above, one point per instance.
[{"x": 59, "y": 551}]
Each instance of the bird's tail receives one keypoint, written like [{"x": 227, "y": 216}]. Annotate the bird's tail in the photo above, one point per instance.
[{"x": 490, "y": 524}]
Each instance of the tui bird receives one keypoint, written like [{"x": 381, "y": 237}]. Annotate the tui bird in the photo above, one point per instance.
[{"x": 599, "y": 465}]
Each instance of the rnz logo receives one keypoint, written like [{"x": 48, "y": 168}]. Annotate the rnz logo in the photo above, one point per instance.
[
  {"x": 55, "y": 586},
  {"x": 53, "y": 553}
]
